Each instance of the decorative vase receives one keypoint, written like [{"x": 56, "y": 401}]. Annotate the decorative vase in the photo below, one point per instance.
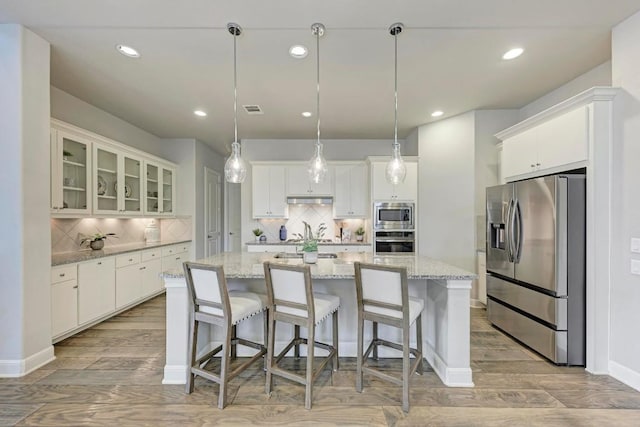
[
  {"x": 310, "y": 257},
  {"x": 257, "y": 239},
  {"x": 359, "y": 237},
  {"x": 96, "y": 244}
]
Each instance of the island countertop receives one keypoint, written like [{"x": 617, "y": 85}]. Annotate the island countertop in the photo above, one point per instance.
[{"x": 249, "y": 265}]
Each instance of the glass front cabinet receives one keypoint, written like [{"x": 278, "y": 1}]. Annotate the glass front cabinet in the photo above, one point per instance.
[
  {"x": 117, "y": 182},
  {"x": 160, "y": 189},
  {"x": 70, "y": 173}
]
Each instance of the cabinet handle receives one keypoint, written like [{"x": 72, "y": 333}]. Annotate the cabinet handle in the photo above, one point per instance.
[
  {"x": 100, "y": 263},
  {"x": 61, "y": 274},
  {"x": 537, "y": 164},
  {"x": 142, "y": 268},
  {"x": 532, "y": 165},
  {"x": 75, "y": 287},
  {"x": 130, "y": 259},
  {"x": 153, "y": 254}
]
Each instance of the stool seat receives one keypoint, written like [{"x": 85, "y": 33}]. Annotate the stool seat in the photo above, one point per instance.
[
  {"x": 416, "y": 305},
  {"x": 243, "y": 305},
  {"x": 323, "y": 304}
]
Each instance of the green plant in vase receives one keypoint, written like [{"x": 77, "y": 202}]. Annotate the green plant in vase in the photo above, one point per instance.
[
  {"x": 96, "y": 241},
  {"x": 360, "y": 234},
  {"x": 310, "y": 242},
  {"x": 257, "y": 232}
]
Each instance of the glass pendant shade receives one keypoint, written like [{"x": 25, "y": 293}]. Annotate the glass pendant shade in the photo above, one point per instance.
[
  {"x": 235, "y": 169},
  {"x": 317, "y": 166},
  {"x": 396, "y": 169}
]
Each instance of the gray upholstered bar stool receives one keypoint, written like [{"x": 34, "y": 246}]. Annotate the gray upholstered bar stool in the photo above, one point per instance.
[
  {"x": 382, "y": 293},
  {"x": 214, "y": 304},
  {"x": 292, "y": 300}
]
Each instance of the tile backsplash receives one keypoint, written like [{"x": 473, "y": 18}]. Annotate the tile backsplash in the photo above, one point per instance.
[
  {"x": 66, "y": 234},
  {"x": 314, "y": 215}
]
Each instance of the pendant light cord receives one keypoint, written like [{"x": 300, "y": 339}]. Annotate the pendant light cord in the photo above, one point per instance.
[
  {"x": 235, "y": 91},
  {"x": 395, "y": 90},
  {"x": 318, "y": 83}
]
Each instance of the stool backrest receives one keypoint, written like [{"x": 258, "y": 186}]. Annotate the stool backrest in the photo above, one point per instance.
[
  {"x": 289, "y": 288},
  {"x": 382, "y": 286},
  {"x": 207, "y": 287}
]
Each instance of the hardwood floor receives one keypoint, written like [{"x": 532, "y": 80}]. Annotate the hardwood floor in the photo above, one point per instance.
[{"x": 110, "y": 375}]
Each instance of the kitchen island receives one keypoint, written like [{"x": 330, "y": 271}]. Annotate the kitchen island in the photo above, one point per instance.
[{"x": 444, "y": 288}]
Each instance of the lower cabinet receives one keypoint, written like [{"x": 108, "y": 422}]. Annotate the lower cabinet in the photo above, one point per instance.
[
  {"x": 128, "y": 279},
  {"x": 96, "y": 289},
  {"x": 64, "y": 299},
  {"x": 174, "y": 256}
]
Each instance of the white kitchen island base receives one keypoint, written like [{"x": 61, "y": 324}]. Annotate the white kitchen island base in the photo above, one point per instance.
[{"x": 446, "y": 320}]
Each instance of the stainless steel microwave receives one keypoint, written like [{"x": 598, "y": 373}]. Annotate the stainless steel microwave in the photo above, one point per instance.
[{"x": 393, "y": 216}]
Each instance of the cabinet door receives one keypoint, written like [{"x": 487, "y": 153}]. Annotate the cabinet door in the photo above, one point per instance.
[
  {"x": 342, "y": 201},
  {"x": 64, "y": 307},
  {"x": 277, "y": 192},
  {"x": 128, "y": 285},
  {"x": 168, "y": 191},
  {"x": 351, "y": 191},
  {"x": 151, "y": 279},
  {"x": 106, "y": 181},
  {"x": 384, "y": 191},
  {"x": 268, "y": 189},
  {"x": 153, "y": 188},
  {"x": 520, "y": 154},
  {"x": 130, "y": 185},
  {"x": 70, "y": 173},
  {"x": 298, "y": 183},
  {"x": 564, "y": 140},
  {"x": 96, "y": 289}
]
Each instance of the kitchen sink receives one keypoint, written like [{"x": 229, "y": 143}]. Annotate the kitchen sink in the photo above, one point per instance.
[{"x": 299, "y": 255}]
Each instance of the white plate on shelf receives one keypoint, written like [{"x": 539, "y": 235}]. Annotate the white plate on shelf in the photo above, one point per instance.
[
  {"x": 102, "y": 186},
  {"x": 127, "y": 189}
]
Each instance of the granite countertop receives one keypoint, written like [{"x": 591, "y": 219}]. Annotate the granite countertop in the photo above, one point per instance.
[
  {"x": 88, "y": 254},
  {"x": 249, "y": 265},
  {"x": 290, "y": 243}
]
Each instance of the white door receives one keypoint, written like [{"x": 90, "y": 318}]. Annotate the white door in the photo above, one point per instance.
[
  {"x": 232, "y": 214},
  {"x": 211, "y": 212}
]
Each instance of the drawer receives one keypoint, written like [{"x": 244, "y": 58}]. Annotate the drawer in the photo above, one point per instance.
[
  {"x": 175, "y": 249},
  {"x": 127, "y": 259},
  {"x": 63, "y": 273},
  {"x": 151, "y": 255}
]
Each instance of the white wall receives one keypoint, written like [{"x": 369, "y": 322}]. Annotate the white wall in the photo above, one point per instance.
[
  {"x": 25, "y": 249},
  {"x": 446, "y": 190},
  {"x": 625, "y": 288},
  {"x": 73, "y": 110},
  {"x": 597, "y": 76}
]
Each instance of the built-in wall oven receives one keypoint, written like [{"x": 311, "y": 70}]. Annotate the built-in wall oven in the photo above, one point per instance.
[
  {"x": 393, "y": 216},
  {"x": 398, "y": 242}
]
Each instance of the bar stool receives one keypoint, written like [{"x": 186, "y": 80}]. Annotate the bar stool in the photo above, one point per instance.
[
  {"x": 214, "y": 304},
  {"x": 382, "y": 293},
  {"x": 292, "y": 300}
]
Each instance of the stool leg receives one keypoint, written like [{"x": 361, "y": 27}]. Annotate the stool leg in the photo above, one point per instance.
[
  {"x": 308, "y": 395},
  {"x": 224, "y": 367},
  {"x": 334, "y": 323},
  {"x": 406, "y": 365},
  {"x": 270, "y": 350},
  {"x": 265, "y": 334},
  {"x": 360, "y": 346},
  {"x": 234, "y": 345},
  {"x": 375, "y": 341},
  {"x": 296, "y": 334},
  {"x": 420, "y": 368},
  {"x": 192, "y": 353}
]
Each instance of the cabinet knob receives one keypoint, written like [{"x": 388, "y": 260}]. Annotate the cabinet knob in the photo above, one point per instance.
[
  {"x": 100, "y": 263},
  {"x": 537, "y": 164},
  {"x": 532, "y": 165},
  {"x": 177, "y": 258},
  {"x": 130, "y": 259},
  {"x": 75, "y": 287},
  {"x": 61, "y": 274}
]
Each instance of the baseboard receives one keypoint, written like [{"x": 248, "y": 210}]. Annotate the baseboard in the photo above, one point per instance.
[
  {"x": 22, "y": 367},
  {"x": 175, "y": 374},
  {"x": 625, "y": 375},
  {"x": 476, "y": 303},
  {"x": 452, "y": 377}
]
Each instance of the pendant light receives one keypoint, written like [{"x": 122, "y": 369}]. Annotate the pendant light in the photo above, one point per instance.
[
  {"x": 235, "y": 169},
  {"x": 317, "y": 165},
  {"x": 396, "y": 169}
]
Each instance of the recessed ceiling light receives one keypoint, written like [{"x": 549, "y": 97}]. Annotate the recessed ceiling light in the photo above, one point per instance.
[
  {"x": 298, "y": 51},
  {"x": 437, "y": 113},
  {"x": 128, "y": 51},
  {"x": 306, "y": 114},
  {"x": 513, "y": 53},
  {"x": 200, "y": 113}
]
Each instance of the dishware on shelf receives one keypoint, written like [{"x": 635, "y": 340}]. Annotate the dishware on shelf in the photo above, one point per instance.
[
  {"x": 127, "y": 189},
  {"x": 102, "y": 186}
]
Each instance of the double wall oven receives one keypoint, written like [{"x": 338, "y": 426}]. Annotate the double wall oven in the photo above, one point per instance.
[{"x": 394, "y": 227}]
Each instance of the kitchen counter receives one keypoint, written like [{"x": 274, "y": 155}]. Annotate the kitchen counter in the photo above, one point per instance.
[
  {"x": 444, "y": 288},
  {"x": 350, "y": 243},
  {"x": 89, "y": 254}
]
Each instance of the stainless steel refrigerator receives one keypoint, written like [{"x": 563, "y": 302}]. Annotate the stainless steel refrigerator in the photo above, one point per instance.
[{"x": 536, "y": 264}]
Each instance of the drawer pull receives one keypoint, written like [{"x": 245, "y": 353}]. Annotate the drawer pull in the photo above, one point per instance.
[
  {"x": 100, "y": 263},
  {"x": 178, "y": 258},
  {"x": 142, "y": 268},
  {"x": 75, "y": 287},
  {"x": 130, "y": 259},
  {"x": 61, "y": 274}
]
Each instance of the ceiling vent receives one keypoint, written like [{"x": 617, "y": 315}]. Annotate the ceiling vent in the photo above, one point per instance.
[{"x": 252, "y": 109}]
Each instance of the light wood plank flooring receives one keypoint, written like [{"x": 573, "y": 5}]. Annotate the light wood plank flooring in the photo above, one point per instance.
[{"x": 110, "y": 375}]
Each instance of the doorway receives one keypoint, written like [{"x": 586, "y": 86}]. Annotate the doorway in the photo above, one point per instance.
[
  {"x": 232, "y": 218},
  {"x": 212, "y": 232}
]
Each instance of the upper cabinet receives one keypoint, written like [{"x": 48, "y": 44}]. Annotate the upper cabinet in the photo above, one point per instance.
[
  {"x": 160, "y": 189},
  {"x": 92, "y": 175},
  {"x": 268, "y": 189},
  {"x": 382, "y": 190},
  {"x": 351, "y": 190},
  {"x": 559, "y": 143},
  {"x": 298, "y": 183},
  {"x": 70, "y": 173}
]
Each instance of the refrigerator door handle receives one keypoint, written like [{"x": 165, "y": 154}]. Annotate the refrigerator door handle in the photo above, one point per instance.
[
  {"x": 509, "y": 232},
  {"x": 520, "y": 234}
]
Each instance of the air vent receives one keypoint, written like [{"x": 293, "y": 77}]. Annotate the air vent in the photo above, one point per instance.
[{"x": 252, "y": 109}]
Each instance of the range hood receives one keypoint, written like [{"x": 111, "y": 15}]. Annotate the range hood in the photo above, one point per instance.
[{"x": 310, "y": 200}]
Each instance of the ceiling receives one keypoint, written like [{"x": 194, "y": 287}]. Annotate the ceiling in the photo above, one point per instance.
[{"x": 449, "y": 58}]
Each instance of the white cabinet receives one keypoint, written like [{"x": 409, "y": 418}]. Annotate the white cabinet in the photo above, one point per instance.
[
  {"x": 481, "y": 267},
  {"x": 548, "y": 147},
  {"x": 273, "y": 248},
  {"x": 128, "y": 279},
  {"x": 118, "y": 182},
  {"x": 381, "y": 190},
  {"x": 298, "y": 183},
  {"x": 64, "y": 299},
  {"x": 151, "y": 267},
  {"x": 351, "y": 190},
  {"x": 344, "y": 248},
  {"x": 174, "y": 256},
  {"x": 70, "y": 173},
  {"x": 160, "y": 189},
  {"x": 96, "y": 289},
  {"x": 268, "y": 190}
]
